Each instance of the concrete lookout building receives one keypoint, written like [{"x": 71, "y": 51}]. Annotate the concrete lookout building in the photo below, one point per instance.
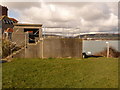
[{"x": 34, "y": 45}]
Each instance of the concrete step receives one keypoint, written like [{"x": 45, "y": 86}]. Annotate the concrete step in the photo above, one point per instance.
[{"x": 14, "y": 53}]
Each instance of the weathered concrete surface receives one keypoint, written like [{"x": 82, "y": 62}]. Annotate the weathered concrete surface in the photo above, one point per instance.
[
  {"x": 20, "y": 54},
  {"x": 18, "y": 36},
  {"x": 21, "y": 37},
  {"x": 33, "y": 51},
  {"x": 62, "y": 47},
  {"x": 53, "y": 48}
]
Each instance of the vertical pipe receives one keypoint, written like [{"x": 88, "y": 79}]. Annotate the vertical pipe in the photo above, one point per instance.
[
  {"x": 9, "y": 49},
  {"x": 107, "y": 49},
  {"x": 25, "y": 44},
  {"x": 44, "y": 31},
  {"x": 62, "y": 32},
  {"x": 42, "y": 49},
  {"x": 79, "y": 32},
  {"x": 39, "y": 34},
  {"x": 41, "y": 39}
]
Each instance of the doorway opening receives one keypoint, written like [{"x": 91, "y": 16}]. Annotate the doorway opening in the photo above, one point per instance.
[{"x": 33, "y": 35}]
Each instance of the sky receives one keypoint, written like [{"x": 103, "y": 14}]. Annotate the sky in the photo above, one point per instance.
[{"x": 88, "y": 16}]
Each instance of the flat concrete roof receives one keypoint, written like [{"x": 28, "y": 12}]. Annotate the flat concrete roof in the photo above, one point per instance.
[{"x": 28, "y": 25}]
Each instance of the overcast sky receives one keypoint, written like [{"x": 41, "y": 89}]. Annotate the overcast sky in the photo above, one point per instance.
[{"x": 89, "y": 17}]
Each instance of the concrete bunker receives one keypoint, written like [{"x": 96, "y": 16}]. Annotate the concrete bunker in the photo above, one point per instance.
[
  {"x": 36, "y": 46},
  {"x": 32, "y": 34}
]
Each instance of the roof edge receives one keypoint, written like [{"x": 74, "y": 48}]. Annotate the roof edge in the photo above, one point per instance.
[{"x": 21, "y": 24}]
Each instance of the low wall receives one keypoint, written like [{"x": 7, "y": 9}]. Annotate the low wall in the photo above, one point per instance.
[
  {"x": 20, "y": 54},
  {"x": 54, "y": 48},
  {"x": 62, "y": 47},
  {"x": 33, "y": 51}
]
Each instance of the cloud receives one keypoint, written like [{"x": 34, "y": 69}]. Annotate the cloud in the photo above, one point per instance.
[
  {"x": 94, "y": 12},
  {"x": 89, "y": 17},
  {"x": 21, "y": 5}
]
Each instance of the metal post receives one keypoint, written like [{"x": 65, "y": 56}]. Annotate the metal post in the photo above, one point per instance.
[
  {"x": 44, "y": 31},
  {"x": 9, "y": 49},
  {"x": 41, "y": 39},
  {"x": 62, "y": 32},
  {"x": 39, "y": 33},
  {"x": 107, "y": 49},
  {"x": 79, "y": 32},
  {"x": 25, "y": 45},
  {"x": 26, "y": 39},
  {"x": 42, "y": 48}
]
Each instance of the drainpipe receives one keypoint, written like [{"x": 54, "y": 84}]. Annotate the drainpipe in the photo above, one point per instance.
[
  {"x": 25, "y": 42},
  {"x": 42, "y": 48},
  {"x": 107, "y": 49},
  {"x": 41, "y": 39}
]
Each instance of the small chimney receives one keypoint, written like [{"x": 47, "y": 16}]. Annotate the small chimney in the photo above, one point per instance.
[{"x": 3, "y": 10}]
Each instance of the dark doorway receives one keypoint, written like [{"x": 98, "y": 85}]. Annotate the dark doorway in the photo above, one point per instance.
[{"x": 32, "y": 33}]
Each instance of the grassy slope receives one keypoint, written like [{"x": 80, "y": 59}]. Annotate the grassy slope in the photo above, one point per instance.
[{"x": 61, "y": 73}]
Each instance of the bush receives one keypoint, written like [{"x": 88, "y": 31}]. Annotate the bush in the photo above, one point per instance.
[
  {"x": 112, "y": 53},
  {"x": 8, "y": 48}
]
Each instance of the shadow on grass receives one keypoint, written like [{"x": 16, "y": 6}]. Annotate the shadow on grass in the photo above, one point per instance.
[{"x": 89, "y": 56}]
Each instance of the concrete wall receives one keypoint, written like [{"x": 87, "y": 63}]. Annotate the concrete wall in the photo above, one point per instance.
[
  {"x": 18, "y": 36},
  {"x": 33, "y": 50},
  {"x": 62, "y": 47},
  {"x": 21, "y": 54},
  {"x": 48, "y": 47},
  {"x": 55, "y": 48}
]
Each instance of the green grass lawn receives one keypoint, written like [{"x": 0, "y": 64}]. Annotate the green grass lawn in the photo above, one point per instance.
[{"x": 61, "y": 73}]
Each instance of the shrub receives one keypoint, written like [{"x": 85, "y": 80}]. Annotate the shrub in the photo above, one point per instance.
[
  {"x": 112, "y": 53},
  {"x": 8, "y": 47}
]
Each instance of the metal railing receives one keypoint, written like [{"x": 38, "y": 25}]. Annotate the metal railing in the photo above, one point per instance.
[{"x": 60, "y": 32}]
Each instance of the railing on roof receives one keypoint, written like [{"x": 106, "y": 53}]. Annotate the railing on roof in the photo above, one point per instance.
[{"x": 60, "y": 32}]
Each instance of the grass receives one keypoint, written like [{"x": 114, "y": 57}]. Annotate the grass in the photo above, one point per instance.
[{"x": 61, "y": 73}]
